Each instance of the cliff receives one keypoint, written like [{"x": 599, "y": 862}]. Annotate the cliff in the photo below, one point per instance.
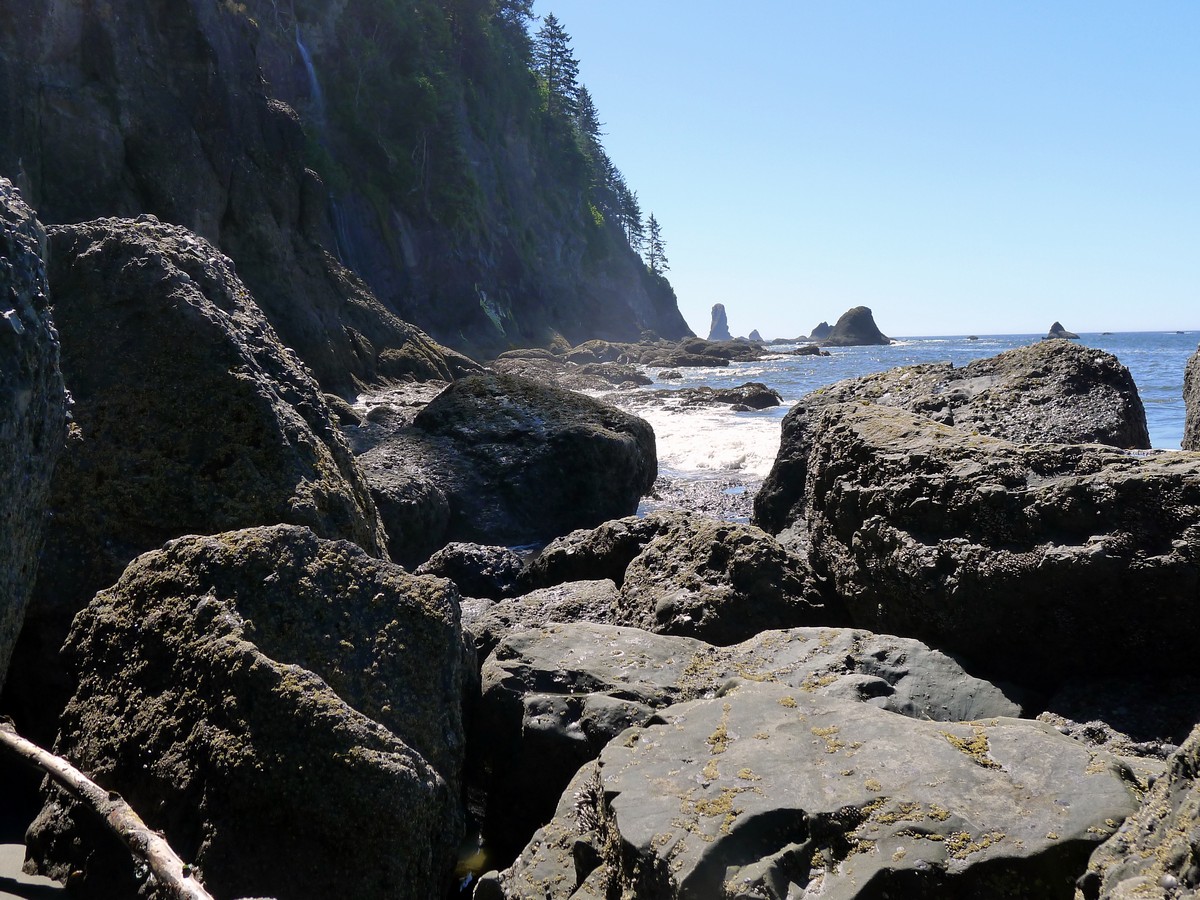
[{"x": 407, "y": 142}]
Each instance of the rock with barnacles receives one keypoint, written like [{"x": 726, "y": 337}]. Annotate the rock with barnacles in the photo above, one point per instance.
[
  {"x": 554, "y": 696},
  {"x": 1051, "y": 391},
  {"x": 1156, "y": 851},
  {"x": 769, "y": 792},
  {"x": 287, "y": 710},
  {"x": 1034, "y": 561}
]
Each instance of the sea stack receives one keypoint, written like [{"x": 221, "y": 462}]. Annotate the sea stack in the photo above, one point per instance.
[
  {"x": 1057, "y": 331},
  {"x": 719, "y": 330},
  {"x": 821, "y": 332},
  {"x": 756, "y": 337},
  {"x": 856, "y": 328}
]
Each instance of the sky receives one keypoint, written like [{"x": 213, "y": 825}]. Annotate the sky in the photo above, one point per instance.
[{"x": 962, "y": 167}]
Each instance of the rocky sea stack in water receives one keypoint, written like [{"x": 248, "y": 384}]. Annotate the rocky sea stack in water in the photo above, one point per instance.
[
  {"x": 856, "y": 328},
  {"x": 719, "y": 329}
]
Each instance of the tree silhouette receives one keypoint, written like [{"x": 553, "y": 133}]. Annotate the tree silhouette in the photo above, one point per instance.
[
  {"x": 556, "y": 63},
  {"x": 656, "y": 255}
]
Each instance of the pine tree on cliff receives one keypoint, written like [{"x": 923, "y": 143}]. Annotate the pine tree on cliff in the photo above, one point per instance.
[
  {"x": 554, "y": 61},
  {"x": 513, "y": 18},
  {"x": 656, "y": 255}
]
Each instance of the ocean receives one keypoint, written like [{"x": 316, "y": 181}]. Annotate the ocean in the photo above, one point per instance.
[{"x": 702, "y": 443}]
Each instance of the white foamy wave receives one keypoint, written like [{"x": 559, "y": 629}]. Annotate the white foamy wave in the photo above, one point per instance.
[{"x": 704, "y": 442}]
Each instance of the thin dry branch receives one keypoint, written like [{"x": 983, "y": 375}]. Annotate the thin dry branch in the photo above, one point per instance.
[{"x": 173, "y": 875}]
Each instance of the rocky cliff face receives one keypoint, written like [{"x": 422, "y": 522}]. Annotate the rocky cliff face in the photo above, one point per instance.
[{"x": 451, "y": 205}]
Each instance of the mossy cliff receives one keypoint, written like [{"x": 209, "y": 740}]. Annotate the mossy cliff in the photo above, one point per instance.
[{"x": 411, "y": 142}]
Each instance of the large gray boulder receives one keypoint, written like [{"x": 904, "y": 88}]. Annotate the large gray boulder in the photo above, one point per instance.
[
  {"x": 1050, "y": 391},
  {"x": 515, "y": 462},
  {"x": 192, "y": 418},
  {"x": 1156, "y": 851},
  {"x": 769, "y": 792},
  {"x": 555, "y": 695},
  {"x": 1191, "y": 399},
  {"x": 1024, "y": 557},
  {"x": 33, "y": 408},
  {"x": 285, "y": 709}
]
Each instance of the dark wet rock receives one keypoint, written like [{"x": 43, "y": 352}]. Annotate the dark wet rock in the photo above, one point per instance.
[
  {"x": 684, "y": 573},
  {"x": 517, "y": 462},
  {"x": 594, "y": 553},
  {"x": 192, "y": 418},
  {"x": 769, "y": 792},
  {"x": 477, "y": 571},
  {"x": 575, "y": 376},
  {"x": 554, "y": 696},
  {"x": 669, "y": 375},
  {"x": 1022, "y": 557},
  {"x": 1057, "y": 331},
  {"x": 254, "y": 695},
  {"x": 1191, "y": 399},
  {"x": 756, "y": 337},
  {"x": 1156, "y": 851},
  {"x": 721, "y": 582},
  {"x": 856, "y": 328},
  {"x": 821, "y": 332},
  {"x": 489, "y": 622},
  {"x": 751, "y": 395},
  {"x": 33, "y": 408},
  {"x": 719, "y": 329},
  {"x": 810, "y": 350},
  {"x": 1047, "y": 392}
]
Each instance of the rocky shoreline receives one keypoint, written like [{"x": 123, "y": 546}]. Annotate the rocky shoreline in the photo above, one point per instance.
[{"x": 318, "y": 644}]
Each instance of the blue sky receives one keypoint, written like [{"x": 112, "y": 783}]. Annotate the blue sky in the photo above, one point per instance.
[{"x": 959, "y": 167}]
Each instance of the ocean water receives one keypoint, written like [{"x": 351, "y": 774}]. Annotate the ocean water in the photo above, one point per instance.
[{"x": 711, "y": 442}]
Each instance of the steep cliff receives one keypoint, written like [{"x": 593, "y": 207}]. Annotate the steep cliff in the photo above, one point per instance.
[{"x": 443, "y": 182}]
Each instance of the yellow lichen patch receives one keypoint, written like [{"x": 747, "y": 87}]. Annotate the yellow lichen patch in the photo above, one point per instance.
[
  {"x": 863, "y": 846},
  {"x": 904, "y": 812},
  {"x": 747, "y": 775},
  {"x": 1097, "y": 765},
  {"x": 719, "y": 739},
  {"x": 1052, "y": 835},
  {"x": 788, "y": 702},
  {"x": 832, "y": 743},
  {"x": 761, "y": 736},
  {"x": 710, "y": 770},
  {"x": 976, "y": 747},
  {"x": 814, "y": 682},
  {"x": 721, "y": 805},
  {"x": 873, "y": 784},
  {"x": 960, "y": 844},
  {"x": 938, "y": 812},
  {"x": 899, "y": 855}
]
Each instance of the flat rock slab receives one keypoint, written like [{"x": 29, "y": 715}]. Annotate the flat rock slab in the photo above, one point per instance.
[
  {"x": 554, "y": 696},
  {"x": 769, "y": 792}
]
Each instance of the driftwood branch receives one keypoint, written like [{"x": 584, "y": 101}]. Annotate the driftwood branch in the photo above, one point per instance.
[{"x": 173, "y": 875}]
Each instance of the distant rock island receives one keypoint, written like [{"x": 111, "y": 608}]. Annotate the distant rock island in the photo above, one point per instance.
[
  {"x": 719, "y": 330},
  {"x": 1057, "y": 331},
  {"x": 821, "y": 332},
  {"x": 756, "y": 337},
  {"x": 856, "y": 328}
]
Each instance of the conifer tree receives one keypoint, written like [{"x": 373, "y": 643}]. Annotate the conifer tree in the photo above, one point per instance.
[
  {"x": 587, "y": 118},
  {"x": 556, "y": 63},
  {"x": 656, "y": 255}
]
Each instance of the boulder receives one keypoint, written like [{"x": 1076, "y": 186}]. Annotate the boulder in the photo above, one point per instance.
[
  {"x": 751, "y": 395},
  {"x": 1156, "y": 851},
  {"x": 254, "y": 695},
  {"x": 477, "y": 571},
  {"x": 1022, "y": 557},
  {"x": 1053, "y": 392},
  {"x": 855, "y": 328},
  {"x": 594, "y": 553},
  {"x": 810, "y": 350},
  {"x": 1191, "y": 399},
  {"x": 719, "y": 581},
  {"x": 555, "y": 695},
  {"x": 768, "y": 792},
  {"x": 489, "y": 622},
  {"x": 33, "y": 408},
  {"x": 516, "y": 461},
  {"x": 719, "y": 329},
  {"x": 1057, "y": 331},
  {"x": 191, "y": 415}
]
